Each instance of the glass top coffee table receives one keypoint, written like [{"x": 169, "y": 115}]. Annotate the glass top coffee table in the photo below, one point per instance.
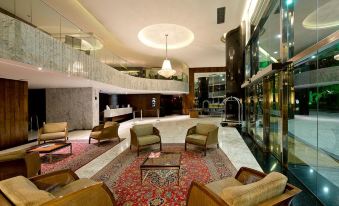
[
  {"x": 48, "y": 148},
  {"x": 165, "y": 161}
]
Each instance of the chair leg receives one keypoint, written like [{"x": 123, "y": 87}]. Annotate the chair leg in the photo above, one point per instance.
[
  {"x": 38, "y": 142},
  {"x": 130, "y": 147},
  {"x": 185, "y": 146},
  {"x": 218, "y": 145},
  {"x": 205, "y": 150},
  {"x": 98, "y": 142},
  {"x": 160, "y": 146},
  {"x": 119, "y": 139},
  {"x": 89, "y": 141},
  {"x": 138, "y": 150}
]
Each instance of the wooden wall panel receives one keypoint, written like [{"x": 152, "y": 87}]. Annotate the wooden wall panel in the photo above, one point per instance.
[
  {"x": 13, "y": 113},
  {"x": 141, "y": 101}
]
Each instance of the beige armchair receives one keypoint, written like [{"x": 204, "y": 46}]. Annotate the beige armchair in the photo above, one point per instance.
[
  {"x": 60, "y": 188},
  {"x": 19, "y": 163},
  {"x": 53, "y": 131},
  {"x": 109, "y": 130},
  {"x": 202, "y": 135},
  {"x": 248, "y": 188},
  {"x": 144, "y": 135}
]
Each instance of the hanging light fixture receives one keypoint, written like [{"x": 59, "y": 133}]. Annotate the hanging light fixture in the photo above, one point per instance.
[{"x": 166, "y": 69}]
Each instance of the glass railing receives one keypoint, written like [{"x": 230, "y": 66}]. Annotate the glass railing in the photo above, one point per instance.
[
  {"x": 39, "y": 15},
  {"x": 23, "y": 43}
]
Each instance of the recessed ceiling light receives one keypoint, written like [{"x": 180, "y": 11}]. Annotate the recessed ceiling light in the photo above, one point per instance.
[
  {"x": 276, "y": 52},
  {"x": 313, "y": 57},
  {"x": 153, "y": 36},
  {"x": 278, "y": 36}
]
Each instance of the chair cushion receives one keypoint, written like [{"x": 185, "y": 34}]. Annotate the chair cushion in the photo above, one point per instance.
[
  {"x": 143, "y": 129},
  {"x": 56, "y": 135},
  {"x": 12, "y": 155},
  {"x": 196, "y": 139},
  {"x": 204, "y": 129},
  {"x": 23, "y": 192},
  {"x": 95, "y": 134},
  {"x": 218, "y": 186},
  {"x": 73, "y": 187},
  {"x": 148, "y": 139},
  {"x": 252, "y": 194},
  {"x": 55, "y": 127}
]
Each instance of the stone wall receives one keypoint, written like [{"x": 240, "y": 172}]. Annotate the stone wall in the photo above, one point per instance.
[{"x": 78, "y": 106}]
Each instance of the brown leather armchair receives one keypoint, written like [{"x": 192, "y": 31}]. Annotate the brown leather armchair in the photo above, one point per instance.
[
  {"x": 202, "y": 135},
  {"x": 60, "y": 188},
  {"x": 19, "y": 163},
  {"x": 248, "y": 187},
  {"x": 109, "y": 130}
]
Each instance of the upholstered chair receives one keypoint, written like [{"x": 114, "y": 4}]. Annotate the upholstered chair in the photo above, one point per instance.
[
  {"x": 143, "y": 135},
  {"x": 19, "y": 163},
  {"x": 202, "y": 135},
  {"x": 248, "y": 188},
  {"x": 58, "y": 188},
  {"x": 106, "y": 131},
  {"x": 53, "y": 131}
]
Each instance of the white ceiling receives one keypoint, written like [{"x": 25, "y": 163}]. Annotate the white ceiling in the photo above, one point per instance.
[{"x": 125, "y": 18}]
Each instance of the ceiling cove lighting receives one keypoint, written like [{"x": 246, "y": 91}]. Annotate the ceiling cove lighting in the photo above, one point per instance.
[{"x": 166, "y": 69}]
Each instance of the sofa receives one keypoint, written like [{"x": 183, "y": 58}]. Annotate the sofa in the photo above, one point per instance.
[
  {"x": 144, "y": 135},
  {"x": 19, "y": 163},
  {"x": 58, "y": 188},
  {"x": 248, "y": 188},
  {"x": 202, "y": 135},
  {"x": 53, "y": 131},
  {"x": 106, "y": 131}
]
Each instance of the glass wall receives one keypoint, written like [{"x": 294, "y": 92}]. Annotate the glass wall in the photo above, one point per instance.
[{"x": 313, "y": 134}]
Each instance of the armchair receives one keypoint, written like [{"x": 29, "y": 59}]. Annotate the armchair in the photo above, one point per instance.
[
  {"x": 202, "y": 135},
  {"x": 109, "y": 130},
  {"x": 144, "y": 135},
  {"x": 19, "y": 163},
  {"x": 58, "y": 188},
  {"x": 52, "y": 131},
  {"x": 248, "y": 188}
]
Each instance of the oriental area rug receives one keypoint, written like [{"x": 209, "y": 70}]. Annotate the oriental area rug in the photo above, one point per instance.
[
  {"x": 160, "y": 187},
  {"x": 82, "y": 153}
]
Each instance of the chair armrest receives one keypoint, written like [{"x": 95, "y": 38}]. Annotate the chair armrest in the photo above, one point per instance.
[
  {"x": 191, "y": 130},
  {"x": 156, "y": 131},
  {"x": 12, "y": 168},
  {"x": 97, "y": 194},
  {"x": 247, "y": 175},
  {"x": 33, "y": 163},
  {"x": 98, "y": 128},
  {"x": 212, "y": 137},
  {"x": 283, "y": 199},
  {"x": 54, "y": 179},
  {"x": 134, "y": 138},
  {"x": 200, "y": 195}
]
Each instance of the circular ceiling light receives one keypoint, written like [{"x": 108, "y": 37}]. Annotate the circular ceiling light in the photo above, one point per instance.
[
  {"x": 326, "y": 16},
  {"x": 153, "y": 36}
]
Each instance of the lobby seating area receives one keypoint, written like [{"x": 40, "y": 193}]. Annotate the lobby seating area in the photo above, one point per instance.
[{"x": 169, "y": 103}]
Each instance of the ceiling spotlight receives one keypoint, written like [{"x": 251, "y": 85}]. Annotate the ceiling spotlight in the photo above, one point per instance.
[
  {"x": 313, "y": 57},
  {"x": 276, "y": 52}
]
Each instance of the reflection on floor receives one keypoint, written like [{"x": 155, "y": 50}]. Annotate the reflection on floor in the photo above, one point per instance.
[{"x": 269, "y": 163}]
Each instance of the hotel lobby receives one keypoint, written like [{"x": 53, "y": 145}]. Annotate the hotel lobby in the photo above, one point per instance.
[{"x": 159, "y": 103}]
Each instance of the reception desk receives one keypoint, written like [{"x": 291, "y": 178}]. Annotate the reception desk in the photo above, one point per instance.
[{"x": 118, "y": 114}]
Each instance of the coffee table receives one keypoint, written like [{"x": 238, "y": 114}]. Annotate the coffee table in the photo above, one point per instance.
[
  {"x": 48, "y": 148},
  {"x": 166, "y": 161}
]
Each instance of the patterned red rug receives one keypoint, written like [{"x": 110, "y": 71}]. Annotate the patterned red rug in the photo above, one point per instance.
[
  {"x": 122, "y": 176},
  {"x": 82, "y": 153}
]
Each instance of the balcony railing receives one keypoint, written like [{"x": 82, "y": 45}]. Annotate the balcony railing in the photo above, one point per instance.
[{"x": 21, "y": 42}]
